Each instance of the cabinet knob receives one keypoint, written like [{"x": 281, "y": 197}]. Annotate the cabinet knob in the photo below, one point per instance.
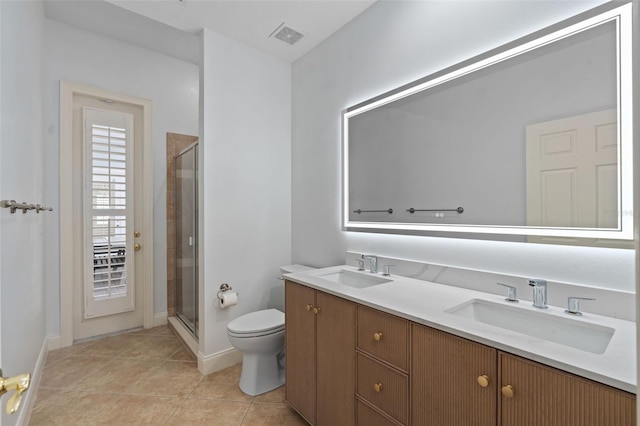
[
  {"x": 377, "y": 336},
  {"x": 507, "y": 391},
  {"x": 309, "y": 307},
  {"x": 483, "y": 380},
  {"x": 316, "y": 311},
  {"x": 377, "y": 387},
  {"x": 137, "y": 247}
]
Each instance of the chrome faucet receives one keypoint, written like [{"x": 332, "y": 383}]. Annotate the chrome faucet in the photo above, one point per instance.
[
  {"x": 373, "y": 262},
  {"x": 539, "y": 293}
]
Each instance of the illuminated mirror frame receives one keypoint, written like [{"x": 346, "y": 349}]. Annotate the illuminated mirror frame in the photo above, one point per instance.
[{"x": 622, "y": 16}]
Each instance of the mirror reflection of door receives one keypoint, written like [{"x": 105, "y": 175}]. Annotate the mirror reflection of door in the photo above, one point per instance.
[{"x": 572, "y": 174}]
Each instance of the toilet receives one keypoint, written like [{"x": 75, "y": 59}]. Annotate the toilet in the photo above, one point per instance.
[{"x": 260, "y": 337}]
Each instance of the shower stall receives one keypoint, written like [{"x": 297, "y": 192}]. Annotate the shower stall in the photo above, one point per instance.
[{"x": 186, "y": 237}]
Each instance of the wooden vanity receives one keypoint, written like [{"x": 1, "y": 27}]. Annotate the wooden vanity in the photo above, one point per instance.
[{"x": 350, "y": 364}]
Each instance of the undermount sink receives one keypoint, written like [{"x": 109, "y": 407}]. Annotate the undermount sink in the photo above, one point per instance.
[
  {"x": 565, "y": 331},
  {"x": 354, "y": 279}
]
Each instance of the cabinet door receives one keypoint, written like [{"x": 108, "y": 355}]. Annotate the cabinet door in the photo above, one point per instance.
[
  {"x": 444, "y": 380},
  {"x": 300, "y": 347},
  {"x": 545, "y": 396},
  {"x": 335, "y": 339}
]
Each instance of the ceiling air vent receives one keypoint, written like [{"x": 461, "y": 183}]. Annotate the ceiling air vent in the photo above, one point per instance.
[{"x": 287, "y": 34}]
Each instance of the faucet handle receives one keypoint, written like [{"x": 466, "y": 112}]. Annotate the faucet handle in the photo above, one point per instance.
[
  {"x": 573, "y": 305},
  {"x": 512, "y": 293},
  {"x": 385, "y": 270},
  {"x": 360, "y": 264}
]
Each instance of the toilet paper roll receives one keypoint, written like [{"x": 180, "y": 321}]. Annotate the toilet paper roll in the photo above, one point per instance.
[{"x": 228, "y": 298}]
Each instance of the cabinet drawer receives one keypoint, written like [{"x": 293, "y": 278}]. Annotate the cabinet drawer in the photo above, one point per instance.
[
  {"x": 384, "y": 336},
  {"x": 383, "y": 387},
  {"x": 367, "y": 416}
]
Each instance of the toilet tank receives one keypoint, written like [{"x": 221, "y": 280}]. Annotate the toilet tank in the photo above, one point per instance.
[{"x": 276, "y": 294}]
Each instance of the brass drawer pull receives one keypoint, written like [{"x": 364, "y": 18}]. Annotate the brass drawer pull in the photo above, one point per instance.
[
  {"x": 507, "y": 391},
  {"x": 377, "y": 336},
  {"x": 483, "y": 380},
  {"x": 377, "y": 387}
]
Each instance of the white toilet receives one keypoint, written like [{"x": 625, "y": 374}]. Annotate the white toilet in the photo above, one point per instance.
[{"x": 260, "y": 337}]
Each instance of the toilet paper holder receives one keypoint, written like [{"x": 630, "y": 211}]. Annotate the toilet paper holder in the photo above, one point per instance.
[{"x": 223, "y": 288}]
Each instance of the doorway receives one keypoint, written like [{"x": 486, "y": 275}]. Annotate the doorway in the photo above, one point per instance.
[{"x": 106, "y": 226}]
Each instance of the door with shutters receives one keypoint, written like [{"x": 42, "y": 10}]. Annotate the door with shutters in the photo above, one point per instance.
[{"x": 107, "y": 154}]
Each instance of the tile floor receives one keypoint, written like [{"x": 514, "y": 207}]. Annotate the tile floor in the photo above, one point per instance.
[{"x": 147, "y": 377}]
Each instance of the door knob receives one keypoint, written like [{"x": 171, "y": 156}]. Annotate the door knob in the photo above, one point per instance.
[
  {"x": 137, "y": 247},
  {"x": 19, "y": 384}
]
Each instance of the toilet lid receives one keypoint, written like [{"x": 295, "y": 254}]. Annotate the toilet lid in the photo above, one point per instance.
[{"x": 256, "y": 322}]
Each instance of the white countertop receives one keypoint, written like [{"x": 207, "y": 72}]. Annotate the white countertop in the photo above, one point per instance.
[{"x": 426, "y": 303}]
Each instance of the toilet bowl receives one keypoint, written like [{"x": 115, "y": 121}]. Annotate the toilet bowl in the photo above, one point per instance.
[{"x": 260, "y": 337}]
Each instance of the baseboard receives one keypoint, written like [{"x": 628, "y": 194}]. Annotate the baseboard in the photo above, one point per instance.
[
  {"x": 53, "y": 343},
  {"x": 29, "y": 397},
  {"x": 218, "y": 361},
  {"x": 160, "y": 319}
]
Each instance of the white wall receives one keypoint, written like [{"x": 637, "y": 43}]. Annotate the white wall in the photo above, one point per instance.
[
  {"x": 172, "y": 85},
  {"x": 390, "y": 44},
  {"x": 246, "y": 182},
  {"x": 22, "y": 290}
]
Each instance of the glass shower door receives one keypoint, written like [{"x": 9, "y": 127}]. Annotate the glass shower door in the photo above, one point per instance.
[{"x": 186, "y": 215}]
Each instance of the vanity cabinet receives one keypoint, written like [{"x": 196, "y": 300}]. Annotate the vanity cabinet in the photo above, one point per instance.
[
  {"x": 320, "y": 364},
  {"x": 541, "y": 395},
  {"x": 453, "y": 380},
  {"x": 351, "y": 364}
]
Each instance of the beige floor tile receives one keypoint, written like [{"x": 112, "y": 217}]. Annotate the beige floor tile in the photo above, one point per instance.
[
  {"x": 168, "y": 378},
  {"x": 182, "y": 354},
  {"x": 58, "y": 354},
  {"x": 75, "y": 408},
  {"x": 228, "y": 375},
  {"x": 109, "y": 346},
  {"x": 150, "y": 347},
  {"x": 276, "y": 396},
  {"x": 164, "y": 330},
  {"x": 71, "y": 370},
  {"x": 271, "y": 415},
  {"x": 194, "y": 412},
  {"x": 134, "y": 409},
  {"x": 118, "y": 375},
  {"x": 212, "y": 389}
]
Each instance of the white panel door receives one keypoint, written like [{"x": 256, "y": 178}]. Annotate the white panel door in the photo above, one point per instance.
[
  {"x": 572, "y": 174},
  {"x": 109, "y": 282}
]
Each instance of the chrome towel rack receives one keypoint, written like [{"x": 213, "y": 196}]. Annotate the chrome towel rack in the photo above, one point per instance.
[
  {"x": 12, "y": 205},
  {"x": 459, "y": 210},
  {"x": 373, "y": 211}
]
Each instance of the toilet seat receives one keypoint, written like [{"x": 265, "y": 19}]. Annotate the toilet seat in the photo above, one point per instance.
[{"x": 259, "y": 323}]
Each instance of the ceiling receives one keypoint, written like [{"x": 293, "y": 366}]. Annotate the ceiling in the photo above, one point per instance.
[{"x": 253, "y": 21}]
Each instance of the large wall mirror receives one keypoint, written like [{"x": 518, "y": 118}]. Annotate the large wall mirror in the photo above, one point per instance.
[{"x": 532, "y": 140}]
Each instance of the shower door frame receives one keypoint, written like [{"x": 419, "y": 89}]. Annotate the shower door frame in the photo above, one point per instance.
[{"x": 193, "y": 328}]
